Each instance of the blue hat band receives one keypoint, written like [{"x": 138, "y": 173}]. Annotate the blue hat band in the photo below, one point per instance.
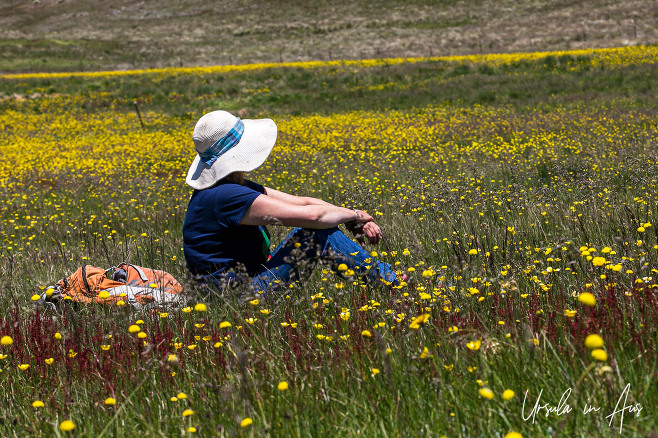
[{"x": 223, "y": 145}]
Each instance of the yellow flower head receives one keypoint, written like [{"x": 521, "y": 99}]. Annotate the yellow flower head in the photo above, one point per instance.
[
  {"x": 246, "y": 422},
  {"x": 599, "y": 355},
  {"x": 200, "y": 307},
  {"x": 593, "y": 341},
  {"x": 486, "y": 393},
  {"x": 66, "y": 426},
  {"x": 37, "y": 404},
  {"x": 110, "y": 401},
  {"x": 474, "y": 345},
  {"x": 282, "y": 386},
  {"x": 508, "y": 394},
  {"x": 598, "y": 261},
  {"x": 6, "y": 340},
  {"x": 188, "y": 412},
  {"x": 420, "y": 319},
  {"x": 587, "y": 299}
]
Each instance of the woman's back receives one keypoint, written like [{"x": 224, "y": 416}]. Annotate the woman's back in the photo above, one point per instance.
[{"x": 213, "y": 238}]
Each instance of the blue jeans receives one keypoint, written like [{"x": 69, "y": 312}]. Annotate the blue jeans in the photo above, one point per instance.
[
  {"x": 330, "y": 245},
  {"x": 290, "y": 261}
]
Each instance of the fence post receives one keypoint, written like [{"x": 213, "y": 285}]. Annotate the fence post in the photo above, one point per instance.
[{"x": 138, "y": 114}]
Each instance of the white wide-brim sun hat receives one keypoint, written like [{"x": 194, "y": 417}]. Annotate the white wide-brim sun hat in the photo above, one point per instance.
[{"x": 226, "y": 144}]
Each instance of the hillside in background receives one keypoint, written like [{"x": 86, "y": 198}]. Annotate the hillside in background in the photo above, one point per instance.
[{"x": 54, "y": 35}]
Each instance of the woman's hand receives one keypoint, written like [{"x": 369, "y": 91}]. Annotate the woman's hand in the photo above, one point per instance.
[
  {"x": 362, "y": 217},
  {"x": 372, "y": 232},
  {"x": 369, "y": 229}
]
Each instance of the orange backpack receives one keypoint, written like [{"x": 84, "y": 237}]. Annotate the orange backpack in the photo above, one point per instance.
[{"x": 128, "y": 283}]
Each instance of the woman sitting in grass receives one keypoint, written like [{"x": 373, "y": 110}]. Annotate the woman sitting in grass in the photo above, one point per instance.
[{"x": 224, "y": 229}]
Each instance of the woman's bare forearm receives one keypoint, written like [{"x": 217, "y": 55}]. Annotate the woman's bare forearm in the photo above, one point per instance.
[
  {"x": 267, "y": 210},
  {"x": 327, "y": 216}
]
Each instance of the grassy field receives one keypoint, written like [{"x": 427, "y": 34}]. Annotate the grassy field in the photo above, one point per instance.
[
  {"x": 518, "y": 192},
  {"x": 86, "y": 35}
]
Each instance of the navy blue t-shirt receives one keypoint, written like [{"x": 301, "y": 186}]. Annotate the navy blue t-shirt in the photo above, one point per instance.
[{"x": 213, "y": 239}]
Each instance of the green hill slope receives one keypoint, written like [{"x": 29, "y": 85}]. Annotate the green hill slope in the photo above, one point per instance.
[{"x": 50, "y": 35}]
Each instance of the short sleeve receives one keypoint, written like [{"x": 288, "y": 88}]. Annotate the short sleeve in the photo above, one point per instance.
[
  {"x": 232, "y": 202},
  {"x": 255, "y": 186}
]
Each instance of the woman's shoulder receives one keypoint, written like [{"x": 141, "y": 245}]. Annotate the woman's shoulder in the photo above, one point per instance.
[
  {"x": 254, "y": 186},
  {"x": 228, "y": 188}
]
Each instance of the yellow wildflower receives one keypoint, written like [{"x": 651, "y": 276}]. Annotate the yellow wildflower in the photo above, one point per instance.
[
  {"x": 593, "y": 341},
  {"x": 66, "y": 426},
  {"x": 587, "y": 299},
  {"x": 600, "y": 355},
  {"x": 200, "y": 307},
  {"x": 508, "y": 394},
  {"x": 486, "y": 393},
  {"x": 420, "y": 319},
  {"x": 474, "y": 345}
]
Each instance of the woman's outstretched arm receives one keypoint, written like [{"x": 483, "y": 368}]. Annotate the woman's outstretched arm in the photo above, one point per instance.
[
  {"x": 308, "y": 218},
  {"x": 268, "y": 210}
]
